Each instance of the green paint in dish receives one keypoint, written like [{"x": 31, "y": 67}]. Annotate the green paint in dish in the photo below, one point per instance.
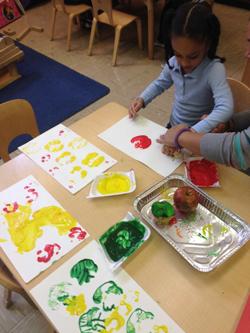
[{"x": 122, "y": 239}]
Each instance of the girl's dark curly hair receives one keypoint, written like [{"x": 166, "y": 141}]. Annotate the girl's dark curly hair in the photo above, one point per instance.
[{"x": 195, "y": 21}]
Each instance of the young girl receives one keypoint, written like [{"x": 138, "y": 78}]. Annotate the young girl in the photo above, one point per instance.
[{"x": 194, "y": 69}]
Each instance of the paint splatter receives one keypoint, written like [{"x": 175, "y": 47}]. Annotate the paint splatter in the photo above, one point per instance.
[
  {"x": 25, "y": 227},
  {"x": 78, "y": 233},
  {"x": 83, "y": 271},
  {"x": 50, "y": 251},
  {"x": 45, "y": 158},
  {"x": 141, "y": 141}
]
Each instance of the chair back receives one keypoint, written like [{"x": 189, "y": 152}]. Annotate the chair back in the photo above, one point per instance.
[
  {"x": 104, "y": 6},
  {"x": 241, "y": 95},
  {"x": 16, "y": 118}
]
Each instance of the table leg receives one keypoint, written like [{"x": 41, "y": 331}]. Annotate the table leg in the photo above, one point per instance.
[{"x": 150, "y": 8}]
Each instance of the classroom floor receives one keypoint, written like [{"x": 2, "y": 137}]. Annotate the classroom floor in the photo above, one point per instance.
[{"x": 133, "y": 73}]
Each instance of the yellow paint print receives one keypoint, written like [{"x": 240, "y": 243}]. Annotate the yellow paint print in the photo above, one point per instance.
[
  {"x": 93, "y": 160},
  {"x": 65, "y": 158},
  {"x": 116, "y": 318},
  {"x": 75, "y": 305},
  {"x": 77, "y": 143},
  {"x": 114, "y": 183},
  {"x": 160, "y": 329},
  {"x": 127, "y": 305},
  {"x": 137, "y": 294},
  {"x": 77, "y": 169},
  {"x": 25, "y": 228},
  {"x": 54, "y": 145}
]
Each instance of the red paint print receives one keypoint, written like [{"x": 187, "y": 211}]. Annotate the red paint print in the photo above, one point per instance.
[
  {"x": 32, "y": 193},
  {"x": 49, "y": 249},
  {"x": 202, "y": 172},
  {"x": 77, "y": 232},
  {"x": 10, "y": 208},
  {"x": 141, "y": 141},
  {"x": 45, "y": 158}
]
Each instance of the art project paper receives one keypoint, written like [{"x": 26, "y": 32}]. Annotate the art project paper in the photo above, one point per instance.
[
  {"x": 71, "y": 160},
  {"x": 35, "y": 229},
  {"x": 137, "y": 138},
  {"x": 84, "y": 296}
]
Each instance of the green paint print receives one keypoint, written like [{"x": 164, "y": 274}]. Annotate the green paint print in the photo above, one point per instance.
[
  {"x": 83, "y": 270},
  {"x": 136, "y": 317},
  {"x": 107, "y": 288},
  {"x": 162, "y": 209},
  {"x": 58, "y": 294},
  {"x": 122, "y": 239},
  {"x": 213, "y": 253},
  {"x": 91, "y": 321}
]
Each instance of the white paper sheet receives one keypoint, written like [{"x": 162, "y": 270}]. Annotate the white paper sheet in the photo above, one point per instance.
[
  {"x": 71, "y": 160},
  {"x": 121, "y": 133},
  {"x": 35, "y": 229},
  {"x": 107, "y": 302}
]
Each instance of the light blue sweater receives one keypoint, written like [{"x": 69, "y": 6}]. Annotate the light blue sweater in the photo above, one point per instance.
[{"x": 203, "y": 91}]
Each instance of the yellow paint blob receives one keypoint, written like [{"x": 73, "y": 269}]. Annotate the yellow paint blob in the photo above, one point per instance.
[
  {"x": 25, "y": 228},
  {"x": 54, "y": 145},
  {"x": 75, "y": 305},
  {"x": 2, "y": 240},
  {"x": 137, "y": 294},
  {"x": 115, "y": 317},
  {"x": 160, "y": 329},
  {"x": 93, "y": 160},
  {"x": 114, "y": 183}
]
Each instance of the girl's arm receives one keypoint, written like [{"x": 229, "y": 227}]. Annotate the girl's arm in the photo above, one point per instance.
[
  {"x": 223, "y": 99},
  {"x": 155, "y": 88}
]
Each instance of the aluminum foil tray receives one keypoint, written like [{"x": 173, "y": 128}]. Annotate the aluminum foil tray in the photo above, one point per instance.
[{"x": 205, "y": 238}]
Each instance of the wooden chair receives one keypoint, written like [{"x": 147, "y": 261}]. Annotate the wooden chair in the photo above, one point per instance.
[
  {"x": 246, "y": 74},
  {"x": 241, "y": 95},
  {"x": 10, "y": 285},
  {"x": 114, "y": 18},
  {"x": 72, "y": 12},
  {"x": 16, "y": 117}
]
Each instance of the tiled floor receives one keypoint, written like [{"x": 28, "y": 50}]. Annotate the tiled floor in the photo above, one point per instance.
[{"x": 133, "y": 73}]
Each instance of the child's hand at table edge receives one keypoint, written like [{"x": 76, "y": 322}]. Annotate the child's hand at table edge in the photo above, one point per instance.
[{"x": 135, "y": 107}]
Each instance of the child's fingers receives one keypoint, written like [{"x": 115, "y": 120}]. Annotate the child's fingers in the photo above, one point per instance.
[{"x": 161, "y": 139}]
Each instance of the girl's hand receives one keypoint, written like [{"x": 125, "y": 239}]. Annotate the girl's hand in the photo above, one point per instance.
[
  {"x": 135, "y": 106},
  {"x": 168, "y": 138}
]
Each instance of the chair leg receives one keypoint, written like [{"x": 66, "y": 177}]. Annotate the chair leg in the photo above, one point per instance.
[
  {"x": 92, "y": 36},
  {"x": 7, "y": 298},
  {"x": 139, "y": 33},
  {"x": 116, "y": 44},
  {"x": 53, "y": 23},
  {"x": 70, "y": 21}
]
